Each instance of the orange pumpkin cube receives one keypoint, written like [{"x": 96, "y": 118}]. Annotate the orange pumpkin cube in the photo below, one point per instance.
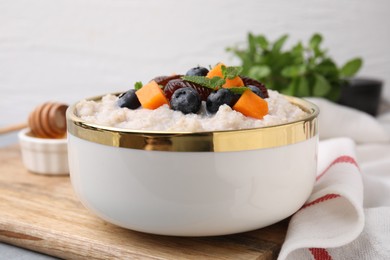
[
  {"x": 250, "y": 104},
  {"x": 151, "y": 96}
]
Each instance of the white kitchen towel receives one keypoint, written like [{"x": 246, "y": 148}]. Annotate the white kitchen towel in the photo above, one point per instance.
[
  {"x": 333, "y": 215},
  {"x": 374, "y": 162}
]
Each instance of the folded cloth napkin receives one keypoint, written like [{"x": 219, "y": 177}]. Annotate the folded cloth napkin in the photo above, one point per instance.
[
  {"x": 339, "y": 221},
  {"x": 333, "y": 216}
]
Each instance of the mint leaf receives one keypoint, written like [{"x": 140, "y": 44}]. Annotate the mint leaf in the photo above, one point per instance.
[
  {"x": 230, "y": 72},
  {"x": 259, "y": 71},
  {"x": 138, "y": 85},
  {"x": 351, "y": 67},
  {"x": 291, "y": 88},
  {"x": 238, "y": 90},
  {"x": 217, "y": 82},
  {"x": 276, "y": 48},
  {"x": 251, "y": 44},
  {"x": 294, "y": 71},
  {"x": 262, "y": 41},
  {"x": 315, "y": 41},
  {"x": 303, "y": 89},
  {"x": 213, "y": 83},
  {"x": 321, "y": 86}
]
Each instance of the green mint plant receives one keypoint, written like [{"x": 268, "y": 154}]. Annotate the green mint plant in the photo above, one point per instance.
[{"x": 303, "y": 70}]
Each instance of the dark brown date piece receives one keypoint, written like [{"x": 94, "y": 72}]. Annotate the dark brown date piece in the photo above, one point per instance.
[
  {"x": 163, "y": 80},
  {"x": 175, "y": 84},
  {"x": 249, "y": 81}
]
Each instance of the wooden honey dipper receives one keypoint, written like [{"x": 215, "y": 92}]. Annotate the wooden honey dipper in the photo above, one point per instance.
[
  {"x": 45, "y": 121},
  {"x": 48, "y": 120}
]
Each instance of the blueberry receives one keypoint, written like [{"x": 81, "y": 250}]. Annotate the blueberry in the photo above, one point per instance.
[
  {"x": 186, "y": 100},
  {"x": 256, "y": 90},
  {"x": 197, "y": 71},
  {"x": 218, "y": 98},
  {"x": 129, "y": 99}
]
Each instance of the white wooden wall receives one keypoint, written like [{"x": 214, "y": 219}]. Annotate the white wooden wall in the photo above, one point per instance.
[{"x": 66, "y": 50}]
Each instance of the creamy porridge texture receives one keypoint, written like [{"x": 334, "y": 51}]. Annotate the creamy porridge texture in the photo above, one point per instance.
[
  {"x": 201, "y": 100},
  {"x": 107, "y": 112}
]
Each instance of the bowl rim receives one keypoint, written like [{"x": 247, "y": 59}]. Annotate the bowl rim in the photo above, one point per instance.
[{"x": 216, "y": 141}]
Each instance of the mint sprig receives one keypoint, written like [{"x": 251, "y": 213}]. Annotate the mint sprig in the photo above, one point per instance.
[
  {"x": 230, "y": 72},
  {"x": 138, "y": 85},
  {"x": 213, "y": 83}
]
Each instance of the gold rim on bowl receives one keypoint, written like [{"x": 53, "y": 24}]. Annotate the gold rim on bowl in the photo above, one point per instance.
[{"x": 211, "y": 141}]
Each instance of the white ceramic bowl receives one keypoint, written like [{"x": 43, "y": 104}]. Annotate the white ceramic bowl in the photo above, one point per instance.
[
  {"x": 194, "y": 184},
  {"x": 44, "y": 155}
]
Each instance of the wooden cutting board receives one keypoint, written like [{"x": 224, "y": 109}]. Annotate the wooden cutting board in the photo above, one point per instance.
[{"x": 42, "y": 213}]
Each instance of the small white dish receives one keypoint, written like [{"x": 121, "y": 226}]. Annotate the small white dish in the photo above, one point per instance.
[{"x": 44, "y": 155}]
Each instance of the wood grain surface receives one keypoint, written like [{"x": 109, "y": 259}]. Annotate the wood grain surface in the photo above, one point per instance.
[{"x": 42, "y": 213}]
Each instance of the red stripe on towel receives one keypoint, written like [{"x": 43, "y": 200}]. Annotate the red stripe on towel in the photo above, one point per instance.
[
  {"x": 341, "y": 159},
  {"x": 320, "y": 254},
  {"x": 321, "y": 199}
]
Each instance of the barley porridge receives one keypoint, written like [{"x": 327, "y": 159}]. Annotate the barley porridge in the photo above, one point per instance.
[
  {"x": 201, "y": 100},
  {"x": 107, "y": 113}
]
